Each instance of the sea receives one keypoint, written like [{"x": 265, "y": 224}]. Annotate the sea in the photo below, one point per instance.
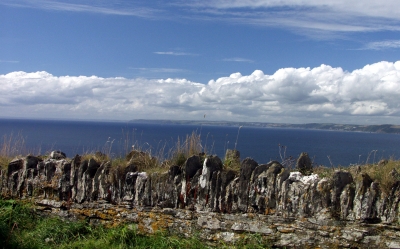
[{"x": 328, "y": 148}]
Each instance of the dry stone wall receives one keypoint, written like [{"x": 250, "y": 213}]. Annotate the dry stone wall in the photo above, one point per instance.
[{"x": 290, "y": 209}]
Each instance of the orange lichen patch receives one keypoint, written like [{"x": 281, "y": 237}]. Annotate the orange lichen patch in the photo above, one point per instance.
[
  {"x": 327, "y": 228},
  {"x": 152, "y": 222},
  {"x": 269, "y": 211},
  {"x": 161, "y": 221},
  {"x": 286, "y": 230},
  {"x": 161, "y": 224},
  {"x": 84, "y": 212},
  {"x": 273, "y": 226},
  {"x": 106, "y": 214},
  {"x": 250, "y": 215},
  {"x": 141, "y": 228},
  {"x": 108, "y": 217}
]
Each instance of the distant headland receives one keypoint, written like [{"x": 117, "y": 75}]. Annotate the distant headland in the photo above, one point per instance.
[{"x": 383, "y": 128}]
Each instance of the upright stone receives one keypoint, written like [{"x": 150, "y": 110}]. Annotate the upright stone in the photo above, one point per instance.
[
  {"x": 304, "y": 164},
  {"x": 211, "y": 164},
  {"x": 246, "y": 170},
  {"x": 189, "y": 170},
  {"x": 340, "y": 180}
]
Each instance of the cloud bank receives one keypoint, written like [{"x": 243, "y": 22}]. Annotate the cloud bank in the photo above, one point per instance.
[{"x": 296, "y": 95}]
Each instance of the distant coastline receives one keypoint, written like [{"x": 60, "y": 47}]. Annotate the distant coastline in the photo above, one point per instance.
[{"x": 384, "y": 128}]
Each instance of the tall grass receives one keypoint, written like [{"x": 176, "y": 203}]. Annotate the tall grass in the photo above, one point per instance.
[
  {"x": 386, "y": 173},
  {"x": 184, "y": 148},
  {"x": 11, "y": 146},
  {"x": 146, "y": 158}
]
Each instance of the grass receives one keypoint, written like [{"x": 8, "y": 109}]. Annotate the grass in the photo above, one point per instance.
[
  {"x": 21, "y": 227},
  {"x": 386, "y": 173},
  {"x": 185, "y": 148},
  {"x": 142, "y": 158},
  {"x": 12, "y": 146}
]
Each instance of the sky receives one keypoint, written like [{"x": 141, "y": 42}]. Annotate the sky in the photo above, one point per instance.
[{"x": 280, "y": 61}]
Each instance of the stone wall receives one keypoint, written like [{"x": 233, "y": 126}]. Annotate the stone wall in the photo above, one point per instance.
[{"x": 288, "y": 208}]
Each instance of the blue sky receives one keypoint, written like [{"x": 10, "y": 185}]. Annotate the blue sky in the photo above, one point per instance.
[{"x": 320, "y": 61}]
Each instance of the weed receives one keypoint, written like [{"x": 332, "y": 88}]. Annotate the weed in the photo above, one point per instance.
[
  {"x": 286, "y": 161},
  {"x": 369, "y": 155},
  {"x": 237, "y": 137},
  {"x": 108, "y": 147}
]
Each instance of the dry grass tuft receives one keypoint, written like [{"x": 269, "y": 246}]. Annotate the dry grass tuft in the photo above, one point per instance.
[
  {"x": 184, "y": 149},
  {"x": 323, "y": 171},
  {"x": 12, "y": 146},
  {"x": 386, "y": 173},
  {"x": 142, "y": 160},
  {"x": 97, "y": 156}
]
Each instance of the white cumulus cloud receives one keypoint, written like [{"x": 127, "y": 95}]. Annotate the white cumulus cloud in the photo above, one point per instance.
[{"x": 301, "y": 95}]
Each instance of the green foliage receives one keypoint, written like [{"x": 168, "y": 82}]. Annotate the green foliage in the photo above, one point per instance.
[
  {"x": 253, "y": 241},
  {"x": 21, "y": 227},
  {"x": 386, "y": 174},
  {"x": 323, "y": 171},
  {"x": 178, "y": 158},
  {"x": 232, "y": 164},
  {"x": 232, "y": 160},
  {"x": 14, "y": 217}
]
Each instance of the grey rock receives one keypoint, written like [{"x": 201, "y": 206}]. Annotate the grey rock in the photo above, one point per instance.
[
  {"x": 208, "y": 182},
  {"x": 246, "y": 170},
  {"x": 191, "y": 166},
  {"x": 57, "y": 155},
  {"x": 304, "y": 164},
  {"x": 339, "y": 182}
]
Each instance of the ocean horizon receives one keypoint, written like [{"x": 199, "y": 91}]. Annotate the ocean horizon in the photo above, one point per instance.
[{"x": 328, "y": 148}]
